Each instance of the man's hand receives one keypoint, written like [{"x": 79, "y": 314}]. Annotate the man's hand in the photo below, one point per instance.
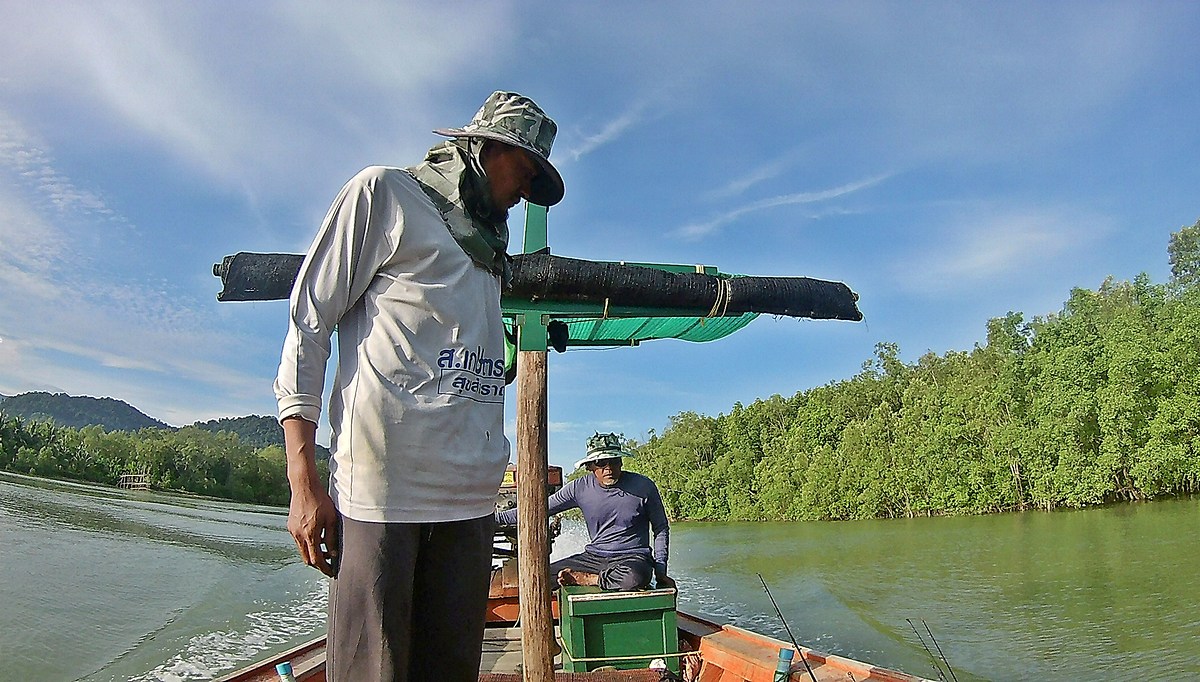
[
  {"x": 313, "y": 521},
  {"x": 315, "y": 526},
  {"x": 663, "y": 581}
]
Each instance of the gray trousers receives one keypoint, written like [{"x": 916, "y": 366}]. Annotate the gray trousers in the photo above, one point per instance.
[
  {"x": 410, "y": 601},
  {"x": 623, "y": 573}
]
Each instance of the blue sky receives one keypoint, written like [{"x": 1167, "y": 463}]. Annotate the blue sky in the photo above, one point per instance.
[{"x": 949, "y": 161}]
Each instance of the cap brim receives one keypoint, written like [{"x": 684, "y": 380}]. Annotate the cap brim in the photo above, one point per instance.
[{"x": 547, "y": 189}]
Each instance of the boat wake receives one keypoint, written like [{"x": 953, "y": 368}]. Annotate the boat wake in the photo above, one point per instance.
[{"x": 210, "y": 654}]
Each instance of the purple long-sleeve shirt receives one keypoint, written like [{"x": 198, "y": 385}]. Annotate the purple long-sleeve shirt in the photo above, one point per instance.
[{"x": 619, "y": 518}]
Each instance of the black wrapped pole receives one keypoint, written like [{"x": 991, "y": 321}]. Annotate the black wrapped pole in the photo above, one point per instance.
[
  {"x": 541, "y": 276},
  {"x": 257, "y": 276}
]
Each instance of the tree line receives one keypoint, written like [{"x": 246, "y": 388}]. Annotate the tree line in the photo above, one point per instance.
[
  {"x": 191, "y": 459},
  {"x": 1097, "y": 403}
]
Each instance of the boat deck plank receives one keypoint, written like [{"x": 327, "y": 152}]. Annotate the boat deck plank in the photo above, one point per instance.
[{"x": 502, "y": 651}]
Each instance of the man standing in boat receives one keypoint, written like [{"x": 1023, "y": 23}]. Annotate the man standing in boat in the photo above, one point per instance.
[
  {"x": 622, "y": 509},
  {"x": 408, "y": 267}
]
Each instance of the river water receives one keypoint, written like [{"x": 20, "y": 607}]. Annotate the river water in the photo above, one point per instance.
[{"x": 100, "y": 584}]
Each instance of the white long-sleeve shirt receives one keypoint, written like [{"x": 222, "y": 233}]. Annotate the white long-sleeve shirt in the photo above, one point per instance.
[{"x": 417, "y": 409}]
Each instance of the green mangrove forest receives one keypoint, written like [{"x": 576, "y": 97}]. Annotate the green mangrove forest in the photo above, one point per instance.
[
  {"x": 1097, "y": 403},
  {"x": 191, "y": 459}
]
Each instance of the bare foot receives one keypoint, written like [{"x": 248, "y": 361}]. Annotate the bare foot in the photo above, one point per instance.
[
  {"x": 569, "y": 577},
  {"x": 565, "y": 577}
]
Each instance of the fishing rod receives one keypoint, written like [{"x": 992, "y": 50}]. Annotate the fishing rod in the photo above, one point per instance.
[
  {"x": 789, "y": 630},
  {"x": 936, "y": 666},
  {"x": 939, "y": 650}
]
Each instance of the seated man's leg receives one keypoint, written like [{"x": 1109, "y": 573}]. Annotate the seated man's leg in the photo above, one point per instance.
[
  {"x": 450, "y": 600},
  {"x": 627, "y": 573},
  {"x": 370, "y": 602},
  {"x": 581, "y": 569}
]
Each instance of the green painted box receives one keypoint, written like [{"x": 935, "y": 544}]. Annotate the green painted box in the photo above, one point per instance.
[{"x": 626, "y": 630}]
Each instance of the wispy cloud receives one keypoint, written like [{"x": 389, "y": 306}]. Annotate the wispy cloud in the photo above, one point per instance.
[
  {"x": 226, "y": 111},
  {"x": 609, "y": 132},
  {"x": 30, "y": 165},
  {"x": 694, "y": 231},
  {"x": 143, "y": 347},
  {"x": 985, "y": 246},
  {"x": 129, "y": 332},
  {"x": 33, "y": 193},
  {"x": 764, "y": 172}
]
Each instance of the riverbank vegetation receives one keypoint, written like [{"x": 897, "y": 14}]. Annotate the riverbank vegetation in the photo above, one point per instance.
[
  {"x": 1097, "y": 403},
  {"x": 191, "y": 459}
]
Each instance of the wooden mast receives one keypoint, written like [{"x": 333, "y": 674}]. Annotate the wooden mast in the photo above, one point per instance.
[{"x": 533, "y": 542}]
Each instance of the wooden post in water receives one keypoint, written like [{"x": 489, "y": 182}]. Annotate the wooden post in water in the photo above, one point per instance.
[{"x": 533, "y": 541}]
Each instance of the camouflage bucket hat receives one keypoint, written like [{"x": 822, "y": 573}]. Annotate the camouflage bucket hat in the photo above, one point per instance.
[
  {"x": 516, "y": 120},
  {"x": 603, "y": 446}
]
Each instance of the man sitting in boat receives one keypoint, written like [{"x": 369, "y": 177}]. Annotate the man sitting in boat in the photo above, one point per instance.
[{"x": 621, "y": 509}]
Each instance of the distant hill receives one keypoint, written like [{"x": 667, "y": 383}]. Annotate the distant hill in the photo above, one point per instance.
[
  {"x": 254, "y": 430},
  {"x": 77, "y": 412}
]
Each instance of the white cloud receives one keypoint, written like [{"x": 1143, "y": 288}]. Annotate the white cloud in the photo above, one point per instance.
[
  {"x": 25, "y": 158},
  {"x": 704, "y": 229},
  {"x": 32, "y": 251},
  {"x": 248, "y": 96},
  {"x": 609, "y": 132},
  {"x": 753, "y": 177},
  {"x": 987, "y": 245},
  {"x": 68, "y": 326}
]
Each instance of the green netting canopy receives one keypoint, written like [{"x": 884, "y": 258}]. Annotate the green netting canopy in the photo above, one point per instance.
[{"x": 630, "y": 331}]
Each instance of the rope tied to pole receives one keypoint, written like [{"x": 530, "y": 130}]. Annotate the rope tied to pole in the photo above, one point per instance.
[{"x": 724, "y": 296}]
